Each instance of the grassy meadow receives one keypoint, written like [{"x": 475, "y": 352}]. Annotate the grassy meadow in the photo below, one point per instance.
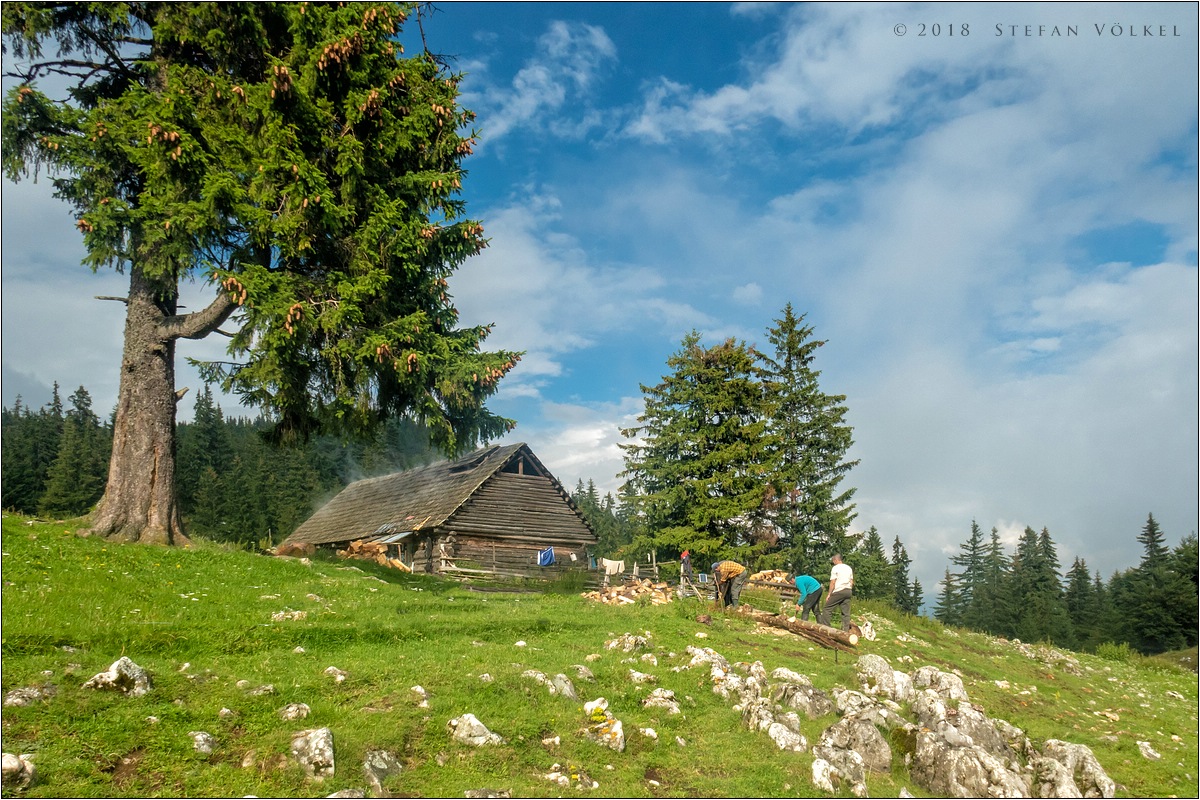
[{"x": 200, "y": 622}]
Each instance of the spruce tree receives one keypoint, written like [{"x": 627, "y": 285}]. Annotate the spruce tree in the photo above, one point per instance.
[
  {"x": 75, "y": 480},
  {"x": 808, "y": 440},
  {"x": 872, "y": 571},
  {"x": 971, "y": 559},
  {"x": 695, "y": 471},
  {"x": 902, "y": 591},
  {"x": 290, "y": 156},
  {"x": 949, "y": 603},
  {"x": 1155, "y": 551}
]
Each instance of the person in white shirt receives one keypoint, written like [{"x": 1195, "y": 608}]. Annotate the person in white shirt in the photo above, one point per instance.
[{"x": 841, "y": 589}]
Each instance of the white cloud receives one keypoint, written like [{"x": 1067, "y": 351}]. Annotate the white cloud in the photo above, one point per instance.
[{"x": 556, "y": 79}]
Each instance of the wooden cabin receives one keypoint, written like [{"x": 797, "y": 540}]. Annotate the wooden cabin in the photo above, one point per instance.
[{"x": 496, "y": 511}]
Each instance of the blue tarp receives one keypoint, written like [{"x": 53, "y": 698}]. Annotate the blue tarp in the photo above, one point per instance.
[{"x": 546, "y": 557}]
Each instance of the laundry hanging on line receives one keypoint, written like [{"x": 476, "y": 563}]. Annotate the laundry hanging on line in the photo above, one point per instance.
[{"x": 612, "y": 567}]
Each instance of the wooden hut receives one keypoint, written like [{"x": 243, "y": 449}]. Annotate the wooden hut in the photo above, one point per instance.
[{"x": 496, "y": 511}]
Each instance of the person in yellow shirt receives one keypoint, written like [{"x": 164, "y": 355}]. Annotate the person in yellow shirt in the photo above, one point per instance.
[{"x": 730, "y": 577}]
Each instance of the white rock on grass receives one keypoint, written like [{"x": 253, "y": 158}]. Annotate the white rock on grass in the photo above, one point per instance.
[
  {"x": 202, "y": 742},
  {"x": 294, "y": 711},
  {"x": 1148, "y": 752},
  {"x": 18, "y": 771},
  {"x": 378, "y": 766},
  {"x": 123, "y": 676},
  {"x": 470, "y": 730},
  {"x": 337, "y": 674},
  {"x": 313, "y": 750}
]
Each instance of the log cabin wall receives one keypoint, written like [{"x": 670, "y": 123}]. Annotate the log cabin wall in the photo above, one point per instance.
[{"x": 512, "y": 517}]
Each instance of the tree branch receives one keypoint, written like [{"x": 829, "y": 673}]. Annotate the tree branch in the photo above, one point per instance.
[
  {"x": 124, "y": 300},
  {"x": 201, "y": 323}
]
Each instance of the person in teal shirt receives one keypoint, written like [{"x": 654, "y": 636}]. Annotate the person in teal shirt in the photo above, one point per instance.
[{"x": 810, "y": 595}]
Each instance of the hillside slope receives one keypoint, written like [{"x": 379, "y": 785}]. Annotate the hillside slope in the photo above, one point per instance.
[{"x": 214, "y": 627}]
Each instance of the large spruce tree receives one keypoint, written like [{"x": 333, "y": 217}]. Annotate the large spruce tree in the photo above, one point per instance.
[
  {"x": 292, "y": 158},
  {"x": 807, "y": 441},
  {"x": 696, "y": 470}
]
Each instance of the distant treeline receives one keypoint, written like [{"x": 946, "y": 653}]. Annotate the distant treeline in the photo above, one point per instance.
[
  {"x": 1023, "y": 595},
  {"x": 233, "y": 485}
]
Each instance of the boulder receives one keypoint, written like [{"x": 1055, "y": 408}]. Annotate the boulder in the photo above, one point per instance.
[
  {"x": 123, "y": 676},
  {"x": 662, "y": 698},
  {"x": 831, "y": 768},
  {"x": 758, "y": 714},
  {"x": 786, "y": 738},
  {"x": 812, "y": 701},
  {"x": 294, "y": 711},
  {"x": 313, "y": 750},
  {"x": 18, "y": 771},
  {"x": 946, "y": 684},
  {"x": 605, "y": 729},
  {"x": 949, "y": 769},
  {"x": 202, "y": 742},
  {"x": 862, "y": 737},
  {"x": 628, "y": 642},
  {"x": 1089, "y": 776},
  {"x": 785, "y": 675},
  {"x": 470, "y": 730},
  {"x": 378, "y": 766},
  {"x": 1052, "y": 779},
  {"x": 28, "y": 695}
]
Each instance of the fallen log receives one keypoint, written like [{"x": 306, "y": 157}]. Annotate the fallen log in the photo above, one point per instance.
[{"x": 832, "y": 638}]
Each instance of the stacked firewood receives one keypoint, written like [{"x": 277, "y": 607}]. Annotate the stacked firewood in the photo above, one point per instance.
[
  {"x": 631, "y": 591},
  {"x": 771, "y": 576},
  {"x": 372, "y": 551}
]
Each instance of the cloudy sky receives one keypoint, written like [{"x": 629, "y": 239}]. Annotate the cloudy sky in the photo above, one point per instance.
[{"x": 988, "y": 211}]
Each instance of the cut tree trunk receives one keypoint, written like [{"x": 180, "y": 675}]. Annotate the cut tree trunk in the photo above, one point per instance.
[
  {"x": 833, "y": 638},
  {"x": 139, "y": 502}
]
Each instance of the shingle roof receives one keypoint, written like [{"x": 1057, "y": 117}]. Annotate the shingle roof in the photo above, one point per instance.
[{"x": 416, "y": 499}]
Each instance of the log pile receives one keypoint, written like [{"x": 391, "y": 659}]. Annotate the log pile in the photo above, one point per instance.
[
  {"x": 772, "y": 576},
  {"x": 372, "y": 551},
  {"x": 631, "y": 591}
]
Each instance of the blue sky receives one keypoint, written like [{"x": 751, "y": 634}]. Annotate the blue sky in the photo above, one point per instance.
[{"x": 996, "y": 233}]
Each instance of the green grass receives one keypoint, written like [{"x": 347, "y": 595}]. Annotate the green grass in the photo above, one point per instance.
[{"x": 199, "y": 621}]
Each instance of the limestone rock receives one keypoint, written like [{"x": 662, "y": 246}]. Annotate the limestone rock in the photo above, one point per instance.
[
  {"x": 378, "y": 766},
  {"x": 294, "y": 711},
  {"x": 605, "y": 729},
  {"x": 28, "y": 695},
  {"x": 946, "y": 684},
  {"x": 313, "y": 750},
  {"x": 641, "y": 677},
  {"x": 1089, "y": 776},
  {"x": 18, "y": 771},
  {"x": 470, "y": 730},
  {"x": 123, "y": 676},
  {"x": 947, "y": 769},
  {"x": 860, "y": 736},
  {"x": 662, "y": 698},
  {"x": 806, "y": 697},
  {"x": 627, "y": 643},
  {"x": 786, "y": 738},
  {"x": 1148, "y": 752},
  {"x": 785, "y": 675},
  {"x": 1052, "y": 779},
  {"x": 832, "y": 767},
  {"x": 202, "y": 742},
  {"x": 758, "y": 714}
]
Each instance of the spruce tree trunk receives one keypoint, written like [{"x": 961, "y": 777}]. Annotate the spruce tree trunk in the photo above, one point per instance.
[{"x": 139, "y": 503}]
